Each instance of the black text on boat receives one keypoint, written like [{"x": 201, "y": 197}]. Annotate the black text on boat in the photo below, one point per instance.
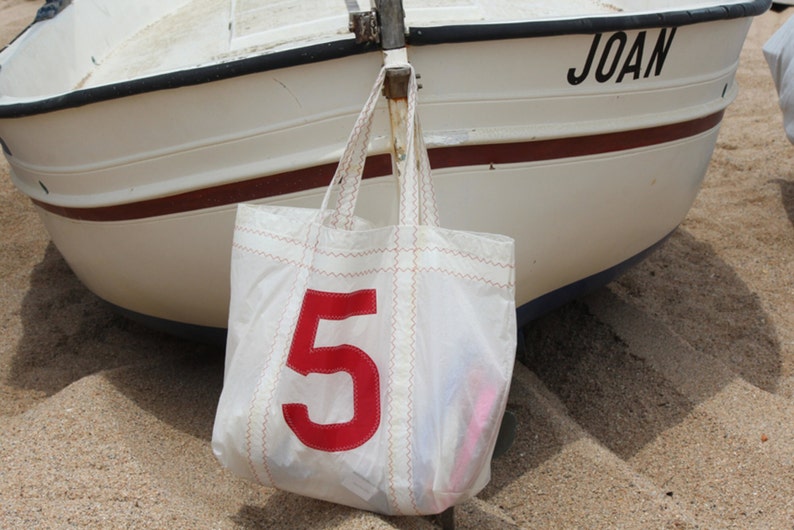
[{"x": 616, "y": 62}]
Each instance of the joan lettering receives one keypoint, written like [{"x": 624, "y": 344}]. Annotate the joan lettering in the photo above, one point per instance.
[
  {"x": 618, "y": 39},
  {"x": 620, "y": 59}
]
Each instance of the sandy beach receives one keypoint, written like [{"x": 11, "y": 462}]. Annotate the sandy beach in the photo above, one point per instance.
[{"x": 665, "y": 400}]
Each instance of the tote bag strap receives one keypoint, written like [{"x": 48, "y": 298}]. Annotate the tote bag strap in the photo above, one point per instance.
[
  {"x": 417, "y": 194},
  {"x": 347, "y": 177},
  {"x": 427, "y": 192}
]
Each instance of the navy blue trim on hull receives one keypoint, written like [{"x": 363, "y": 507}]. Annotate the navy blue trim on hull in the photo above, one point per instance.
[
  {"x": 188, "y": 77},
  {"x": 586, "y": 25},
  {"x": 193, "y": 332},
  {"x": 525, "y": 314},
  {"x": 348, "y": 47},
  {"x": 551, "y": 301}
]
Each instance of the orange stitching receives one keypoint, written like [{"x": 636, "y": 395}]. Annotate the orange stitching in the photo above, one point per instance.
[
  {"x": 370, "y": 271},
  {"x": 392, "y": 357},
  {"x": 412, "y": 372},
  {"x": 339, "y": 254}
]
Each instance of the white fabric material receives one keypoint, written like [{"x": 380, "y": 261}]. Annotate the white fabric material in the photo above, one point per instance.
[
  {"x": 779, "y": 54},
  {"x": 412, "y": 429}
]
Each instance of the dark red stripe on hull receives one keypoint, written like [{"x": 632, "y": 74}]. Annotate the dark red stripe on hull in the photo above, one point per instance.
[{"x": 380, "y": 165}]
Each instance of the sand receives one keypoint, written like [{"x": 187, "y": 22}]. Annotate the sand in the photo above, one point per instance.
[{"x": 665, "y": 400}]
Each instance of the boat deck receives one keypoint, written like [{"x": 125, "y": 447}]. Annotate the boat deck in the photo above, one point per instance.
[
  {"x": 113, "y": 42},
  {"x": 211, "y": 31}
]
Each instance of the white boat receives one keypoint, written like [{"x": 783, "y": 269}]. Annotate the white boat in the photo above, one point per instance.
[{"x": 582, "y": 129}]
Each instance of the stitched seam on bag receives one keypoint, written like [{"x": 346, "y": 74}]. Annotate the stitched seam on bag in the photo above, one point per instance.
[
  {"x": 269, "y": 401},
  {"x": 412, "y": 369},
  {"x": 323, "y": 252},
  {"x": 468, "y": 255},
  {"x": 374, "y": 251},
  {"x": 345, "y": 163},
  {"x": 428, "y": 189},
  {"x": 355, "y": 137},
  {"x": 378, "y": 270},
  {"x": 389, "y": 390},
  {"x": 271, "y": 396},
  {"x": 395, "y": 445},
  {"x": 252, "y": 406},
  {"x": 357, "y": 182},
  {"x": 469, "y": 277}
]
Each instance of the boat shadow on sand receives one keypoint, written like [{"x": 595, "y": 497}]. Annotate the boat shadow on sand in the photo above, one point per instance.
[
  {"x": 69, "y": 334},
  {"x": 603, "y": 386}
]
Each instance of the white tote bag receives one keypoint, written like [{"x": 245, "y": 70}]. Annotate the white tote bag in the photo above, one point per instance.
[{"x": 367, "y": 366}]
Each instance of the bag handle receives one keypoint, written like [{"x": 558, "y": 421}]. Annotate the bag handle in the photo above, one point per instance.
[
  {"x": 350, "y": 169},
  {"x": 417, "y": 194},
  {"x": 427, "y": 192}
]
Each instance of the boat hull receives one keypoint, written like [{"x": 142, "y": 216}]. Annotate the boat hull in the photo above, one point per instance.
[
  {"x": 588, "y": 149},
  {"x": 571, "y": 219}
]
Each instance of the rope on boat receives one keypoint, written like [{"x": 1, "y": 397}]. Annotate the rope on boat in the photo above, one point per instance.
[{"x": 50, "y": 9}]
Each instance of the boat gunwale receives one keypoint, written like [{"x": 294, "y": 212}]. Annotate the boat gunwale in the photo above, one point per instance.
[{"x": 417, "y": 36}]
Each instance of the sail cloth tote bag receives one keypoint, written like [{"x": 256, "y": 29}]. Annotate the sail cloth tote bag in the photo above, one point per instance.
[{"x": 367, "y": 366}]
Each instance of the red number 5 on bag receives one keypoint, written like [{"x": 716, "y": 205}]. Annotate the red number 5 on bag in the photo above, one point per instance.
[{"x": 305, "y": 358}]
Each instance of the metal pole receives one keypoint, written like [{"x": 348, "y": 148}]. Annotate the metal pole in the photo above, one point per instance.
[{"x": 392, "y": 20}]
